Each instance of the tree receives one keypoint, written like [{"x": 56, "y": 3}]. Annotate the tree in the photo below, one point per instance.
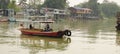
[
  {"x": 35, "y": 3},
  {"x": 12, "y": 5},
  {"x": 4, "y": 4},
  {"x": 109, "y": 9},
  {"x": 105, "y": 9},
  {"x": 58, "y": 4},
  {"x": 22, "y": 1},
  {"x": 92, "y": 4}
]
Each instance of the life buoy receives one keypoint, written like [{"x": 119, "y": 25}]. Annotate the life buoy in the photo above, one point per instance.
[{"x": 67, "y": 32}]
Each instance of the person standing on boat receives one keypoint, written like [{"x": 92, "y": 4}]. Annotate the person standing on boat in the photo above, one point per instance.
[{"x": 30, "y": 26}]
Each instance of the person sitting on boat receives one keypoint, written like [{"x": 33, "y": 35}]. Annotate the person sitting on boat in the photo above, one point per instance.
[
  {"x": 47, "y": 28},
  {"x": 30, "y": 26}
]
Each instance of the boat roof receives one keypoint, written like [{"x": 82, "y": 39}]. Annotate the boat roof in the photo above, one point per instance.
[
  {"x": 36, "y": 21},
  {"x": 46, "y": 21}
]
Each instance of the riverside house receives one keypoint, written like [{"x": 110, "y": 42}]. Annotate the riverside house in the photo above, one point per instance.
[
  {"x": 53, "y": 13},
  {"x": 77, "y": 12}
]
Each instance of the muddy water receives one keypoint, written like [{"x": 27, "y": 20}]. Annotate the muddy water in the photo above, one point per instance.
[{"x": 88, "y": 37}]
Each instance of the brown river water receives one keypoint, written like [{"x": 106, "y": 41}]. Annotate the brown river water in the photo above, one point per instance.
[{"x": 88, "y": 37}]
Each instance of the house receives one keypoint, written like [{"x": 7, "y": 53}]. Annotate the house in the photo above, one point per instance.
[
  {"x": 77, "y": 12},
  {"x": 53, "y": 13}
]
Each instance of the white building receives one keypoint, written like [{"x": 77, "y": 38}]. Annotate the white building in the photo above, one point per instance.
[{"x": 50, "y": 12}]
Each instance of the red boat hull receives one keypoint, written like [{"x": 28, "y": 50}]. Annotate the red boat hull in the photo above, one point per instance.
[{"x": 42, "y": 33}]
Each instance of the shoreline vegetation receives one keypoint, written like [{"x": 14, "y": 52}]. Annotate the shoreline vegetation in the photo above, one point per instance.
[{"x": 105, "y": 9}]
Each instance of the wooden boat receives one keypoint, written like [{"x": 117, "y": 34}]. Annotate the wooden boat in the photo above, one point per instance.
[{"x": 40, "y": 32}]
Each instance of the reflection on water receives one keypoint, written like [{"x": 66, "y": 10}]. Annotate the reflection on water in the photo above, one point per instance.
[
  {"x": 88, "y": 37},
  {"x": 118, "y": 38},
  {"x": 36, "y": 44},
  {"x": 9, "y": 29}
]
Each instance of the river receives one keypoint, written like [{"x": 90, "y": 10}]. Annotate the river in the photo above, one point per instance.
[{"x": 88, "y": 37}]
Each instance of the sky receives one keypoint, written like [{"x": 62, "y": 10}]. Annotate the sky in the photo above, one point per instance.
[{"x": 75, "y": 2}]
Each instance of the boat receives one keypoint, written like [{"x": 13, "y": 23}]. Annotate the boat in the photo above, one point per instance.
[
  {"x": 40, "y": 32},
  {"x": 44, "y": 33}
]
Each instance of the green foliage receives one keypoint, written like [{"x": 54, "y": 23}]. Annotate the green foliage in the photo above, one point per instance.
[
  {"x": 59, "y": 4},
  {"x": 4, "y": 4},
  {"x": 109, "y": 9},
  {"x": 105, "y": 9},
  {"x": 35, "y": 3},
  {"x": 92, "y": 4},
  {"x": 12, "y": 5}
]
